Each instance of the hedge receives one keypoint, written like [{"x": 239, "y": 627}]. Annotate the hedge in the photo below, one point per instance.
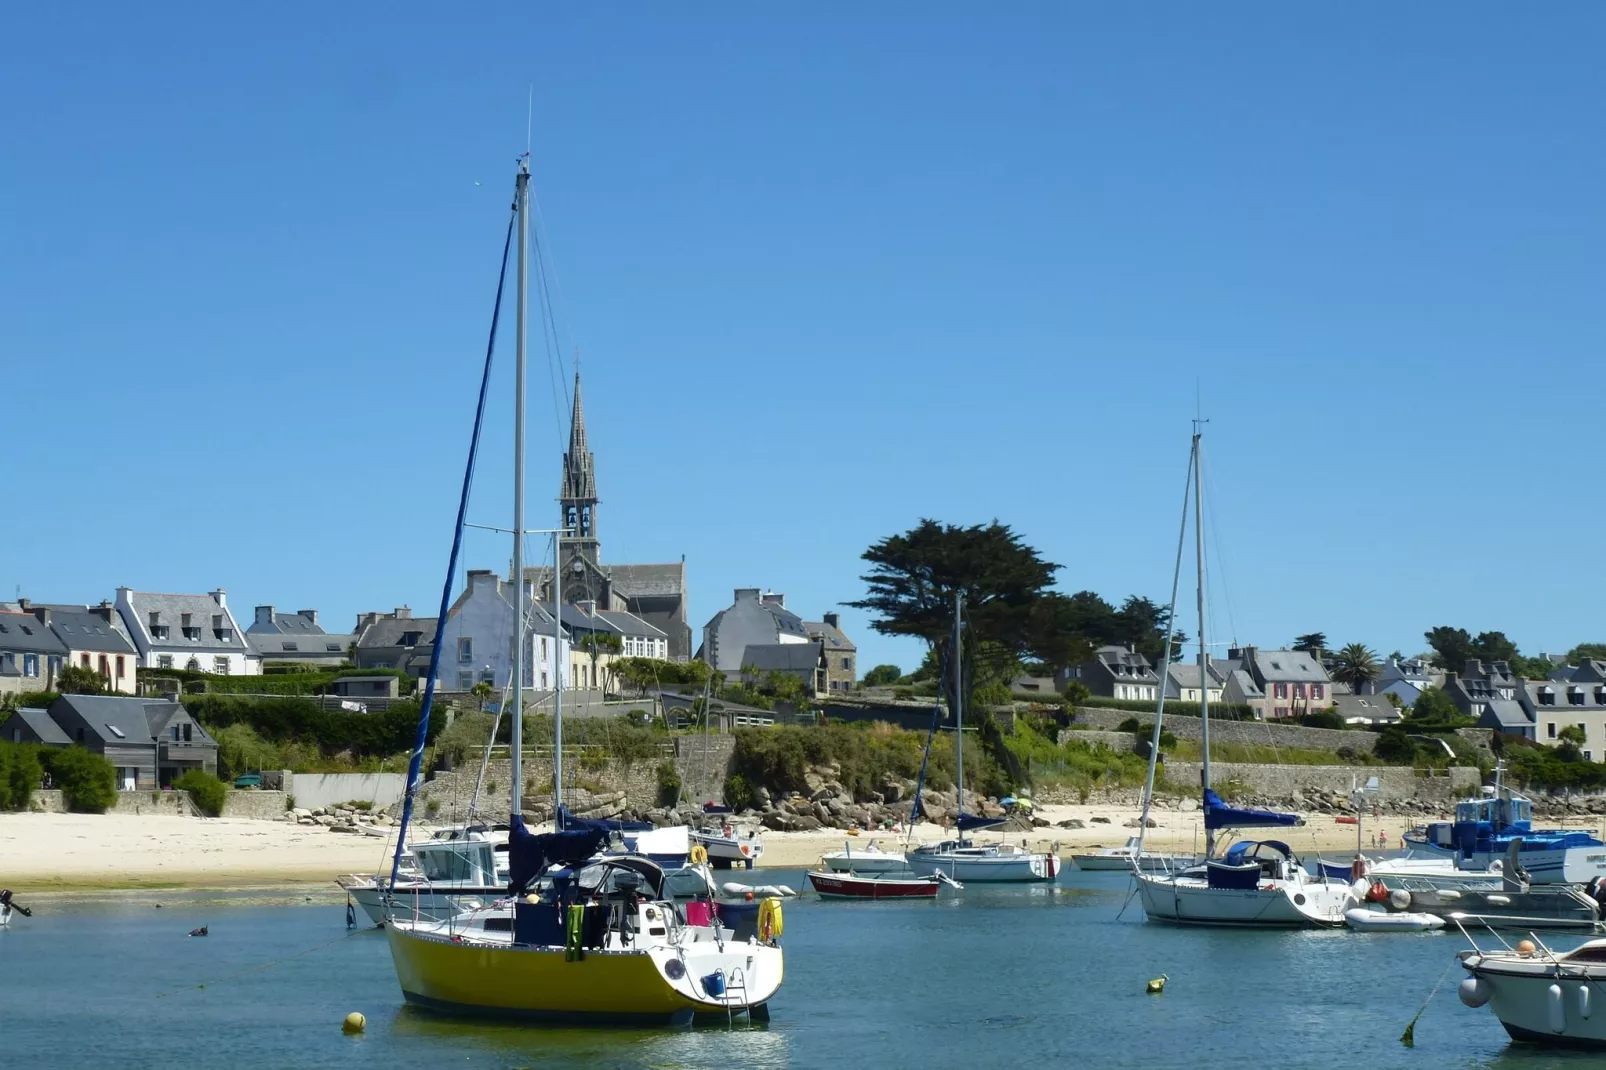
[
  {"x": 289, "y": 718},
  {"x": 20, "y": 773},
  {"x": 87, "y": 781},
  {"x": 274, "y": 683}
]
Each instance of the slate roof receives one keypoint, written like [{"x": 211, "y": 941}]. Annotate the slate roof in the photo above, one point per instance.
[
  {"x": 1187, "y": 675},
  {"x": 645, "y": 581},
  {"x": 834, "y": 639},
  {"x": 139, "y": 720},
  {"x": 284, "y": 624},
  {"x": 172, "y": 607},
  {"x": 1506, "y": 713},
  {"x": 782, "y": 657},
  {"x": 1289, "y": 666},
  {"x": 23, "y": 633},
  {"x": 1244, "y": 684},
  {"x": 630, "y": 624},
  {"x": 1126, "y": 663},
  {"x": 388, "y": 631},
  {"x": 83, "y": 629},
  {"x": 1371, "y": 707},
  {"x": 40, "y": 722},
  {"x": 322, "y": 644}
]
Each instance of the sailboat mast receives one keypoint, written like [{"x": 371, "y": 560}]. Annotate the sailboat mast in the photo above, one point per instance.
[
  {"x": 557, "y": 676},
  {"x": 515, "y": 805},
  {"x": 1204, "y": 650},
  {"x": 959, "y": 707}
]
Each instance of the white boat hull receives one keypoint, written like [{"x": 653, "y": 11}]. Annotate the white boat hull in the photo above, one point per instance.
[
  {"x": 1570, "y": 865},
  {"x": 864, "y": 862},
  {"x": 733, "y": 851},
  {"x": 1020, "y": 868},
  {"x": 1544, "y": 1004},
  {"x": 1276, "y": 904}
]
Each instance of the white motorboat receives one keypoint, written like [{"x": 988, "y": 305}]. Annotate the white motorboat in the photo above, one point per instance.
[
  {"x": 867, "y": 859},
  {"x": 1131, "y": 853},
  {"x": 1255, "y": 883},
  {"x": 967, "y": 861},
  {"x": 1383, "y": 921},
  {"x": 730, "y": 846},
  {"x": 1541, "y": 996},
  {"x": 454, "y": 871}
]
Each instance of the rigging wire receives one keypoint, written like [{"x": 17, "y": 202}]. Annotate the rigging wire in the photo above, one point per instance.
[{"x": 414, "y": 767}]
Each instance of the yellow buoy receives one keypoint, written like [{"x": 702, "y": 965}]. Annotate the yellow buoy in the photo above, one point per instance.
[
  {"x": 1157, "y": 985},
  {"x": 354, "y": 1023}
]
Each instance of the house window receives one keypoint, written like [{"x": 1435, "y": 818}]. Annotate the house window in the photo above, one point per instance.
[
  {"x": 30, "y": 665},
  {"x": 847, "y": 663},
  {"x": 220, "y": 665},
  {"x": 543, "y": 681},
  {"x": 1317, "y": 692},
  {"x": 1550, "y": 730},
  {"x": 1299, "y": 690},
  {"x": 1575, "y": 696},
  {"x": 487, "y": 676},
  {"x": 1584, "y": 728},
  {"x": 1280, "y": 691},
  {"x": 105, "y": 667},
  {"x": 1280, "y": 711},
  {"x": 1547, "y": 697},
  {"x": 465, "y": 650},
  {"x": 173, "y": 733},
  {"x": 164, "y": 661},
  {"x": 119, "y": 666},
  {"x": 83, "y": 659},
  {"x": 1587, "y": 757},
  {"x": 465, "y": 680}
]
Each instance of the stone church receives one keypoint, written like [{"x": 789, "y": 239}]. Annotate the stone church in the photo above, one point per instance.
[{"x": 655, "y": 593}]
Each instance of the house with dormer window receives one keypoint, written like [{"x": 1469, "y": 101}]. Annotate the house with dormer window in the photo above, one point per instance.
[
  {"x": 1119, "y": 672},
  {"x": 1290, "y": 682},
  {"x": 297, "y": 637},
  {"x": 187, "y": 631},
  {"x": 30, "y": 653}
]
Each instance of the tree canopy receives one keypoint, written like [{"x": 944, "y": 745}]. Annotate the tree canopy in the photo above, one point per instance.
[
  {"x": 882, "y": 676},
  {"x": 1356, "y": 665},
  {"x": 80, "y": 680},
  {"x": 1311, "y": 643}
]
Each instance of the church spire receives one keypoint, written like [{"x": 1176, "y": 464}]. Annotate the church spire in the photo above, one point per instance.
[{"x": 578, "y": 496}]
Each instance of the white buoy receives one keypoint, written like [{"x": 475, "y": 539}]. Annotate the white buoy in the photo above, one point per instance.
[
  {"x": 1583, "y": 1001},
  {"x": 1473, "y": 992},
  {"x": 1399, "y": 899},
  {"x": 354, "y": 1023}
]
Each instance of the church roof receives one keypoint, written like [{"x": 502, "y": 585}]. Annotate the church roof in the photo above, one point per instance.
[
  {"x": 641, "y": 581},
  {"x": 579, "y": 466}
]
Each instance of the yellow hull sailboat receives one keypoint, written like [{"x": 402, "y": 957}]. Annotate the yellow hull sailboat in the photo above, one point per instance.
[{"x": 582, "y": 937}]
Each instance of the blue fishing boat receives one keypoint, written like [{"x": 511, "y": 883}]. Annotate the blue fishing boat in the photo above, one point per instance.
[{"x": 1485, "y": 828}]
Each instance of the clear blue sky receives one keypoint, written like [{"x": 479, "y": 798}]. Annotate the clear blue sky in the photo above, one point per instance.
[{"x": 832, "y": 270}]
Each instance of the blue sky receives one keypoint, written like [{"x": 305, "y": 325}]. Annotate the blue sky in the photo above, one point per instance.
[{"x": 831, "y": 270}]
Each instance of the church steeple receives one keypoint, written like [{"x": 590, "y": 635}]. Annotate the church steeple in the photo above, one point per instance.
[{"x": 578, "y": 496}]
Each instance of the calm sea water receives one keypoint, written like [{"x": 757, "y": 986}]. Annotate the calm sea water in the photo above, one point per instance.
[{"x": 998, "y": 977}]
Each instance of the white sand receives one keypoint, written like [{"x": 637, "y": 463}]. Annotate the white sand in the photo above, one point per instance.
[{"x": 116, "y": 850}]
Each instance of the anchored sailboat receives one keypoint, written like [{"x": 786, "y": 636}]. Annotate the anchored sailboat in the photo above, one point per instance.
[
  {"x": 1255, "y": 883},
  {"x": 968, "y": 861},
  {"x": 582, "y": 937}
]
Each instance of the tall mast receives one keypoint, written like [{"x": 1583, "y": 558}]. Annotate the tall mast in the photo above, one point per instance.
[
  {"x": 1204, "y": 650},
  {"x": 559, "y": 663},
  {"x": 959, "y": 707},
  {"x": 515, "y": 806}
]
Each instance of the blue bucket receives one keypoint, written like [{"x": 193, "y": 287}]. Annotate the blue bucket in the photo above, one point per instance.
[{"x": 714, "y": 983}]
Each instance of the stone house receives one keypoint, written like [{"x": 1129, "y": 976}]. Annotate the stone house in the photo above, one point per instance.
[
  {"x": 396, "y": 640},
  {"x": 1291, "y": 682},
  {"x": 1118, "y": 672},
  {"x": 841, "y": 656},
  {"x": 297, "y": 637},
  {"x": 31, "y": 655},
  {"x": 187, "y": 631}
]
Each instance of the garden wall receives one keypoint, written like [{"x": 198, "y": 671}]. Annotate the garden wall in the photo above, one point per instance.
[{"x": 1252, "y": 733}]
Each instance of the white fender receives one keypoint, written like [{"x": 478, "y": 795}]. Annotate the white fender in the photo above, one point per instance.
[
  {"x": 1474, "y": 992},
  {"x": 1556, "y": 1009},
  {"x": 1498, "y": 900},
  {"x": 1449, "y": 895},
  {"x": 1583, "y": 1001},
  {"x": 1399, "y": 899}
]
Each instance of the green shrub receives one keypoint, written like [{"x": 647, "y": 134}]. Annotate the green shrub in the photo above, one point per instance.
[
  {"x": 206, "y": 790},
  {"x": 1131, "y": 724},
  {"x": 20, "y": 774},
  {"x": 88, "y": 782},
  {"x": 668, "y": 784},
  {"x": 432, "y": 807},
  {"x": 738, "y": 793},
  {"x": 1322, "y": 719},
  {"x": 1395, "y": 747},
  {"x": 292, "y": 719}
]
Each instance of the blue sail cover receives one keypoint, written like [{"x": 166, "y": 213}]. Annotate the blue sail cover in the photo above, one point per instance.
[
  {"x": 1218, "y": 815},
  {"x": 529, "y": 855},
  {"x": 568, "y": 821},
  {"x": 970, "y": 822}
]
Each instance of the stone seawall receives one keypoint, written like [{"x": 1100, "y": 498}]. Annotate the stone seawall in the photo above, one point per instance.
[
  {"x": 256, "y": 804},
  {"x": 1116, "y": 741},
  {"x": 1253, "y": 733},
  {"x": 449, "y": 793},
  {"x": 1395, "y": 783}
]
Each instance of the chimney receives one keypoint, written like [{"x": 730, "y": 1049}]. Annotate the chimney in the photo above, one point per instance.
[
  {"x": 310, "y": 614},
  {"x": 747, "y": 594},
  {"x": 366, "y": 620},
  {"x": 103, "y": 611},
  {"x": 476, "y": 576},
  {"x": 264, "y": 615},
  {"x": 24, "y": 605},
  {"x": 834, "y": 621},
  {"x": 1474, "y": 667},
  {"x": 773, "y": 598},
  {"x": 588, "y": 607},
  {"x": 403, "y": 613},
  {"x": 218, "y": 596},
  {"x": 42, "y": 612}
]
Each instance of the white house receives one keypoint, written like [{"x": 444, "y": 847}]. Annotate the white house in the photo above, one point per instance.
[
  {"x": 187, "y": 631},
  {"x": 477, "y": 638}
]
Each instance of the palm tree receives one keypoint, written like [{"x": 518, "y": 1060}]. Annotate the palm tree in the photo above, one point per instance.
[{"x": 1356, "y": 665}]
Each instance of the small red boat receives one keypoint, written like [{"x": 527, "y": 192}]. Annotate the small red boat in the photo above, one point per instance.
[{"x": 848, "y": 886}]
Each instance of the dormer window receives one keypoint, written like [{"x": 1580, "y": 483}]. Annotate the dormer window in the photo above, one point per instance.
[
  {"x": 1547, "y": 696},
  {"x": 184, "y": 621},
  {"x": 1575, "y": 696}
]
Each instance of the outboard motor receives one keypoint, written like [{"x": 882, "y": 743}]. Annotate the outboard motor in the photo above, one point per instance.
[
  {"x": 6, "y": 904},
  {"x": 1596, "y": 890}
]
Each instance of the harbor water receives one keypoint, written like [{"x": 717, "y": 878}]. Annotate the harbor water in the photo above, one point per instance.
[{"x": 987, "y": 977}]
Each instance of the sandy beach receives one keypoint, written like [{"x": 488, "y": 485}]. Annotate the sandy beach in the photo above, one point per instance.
[{"x": 70, "y": 851}]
